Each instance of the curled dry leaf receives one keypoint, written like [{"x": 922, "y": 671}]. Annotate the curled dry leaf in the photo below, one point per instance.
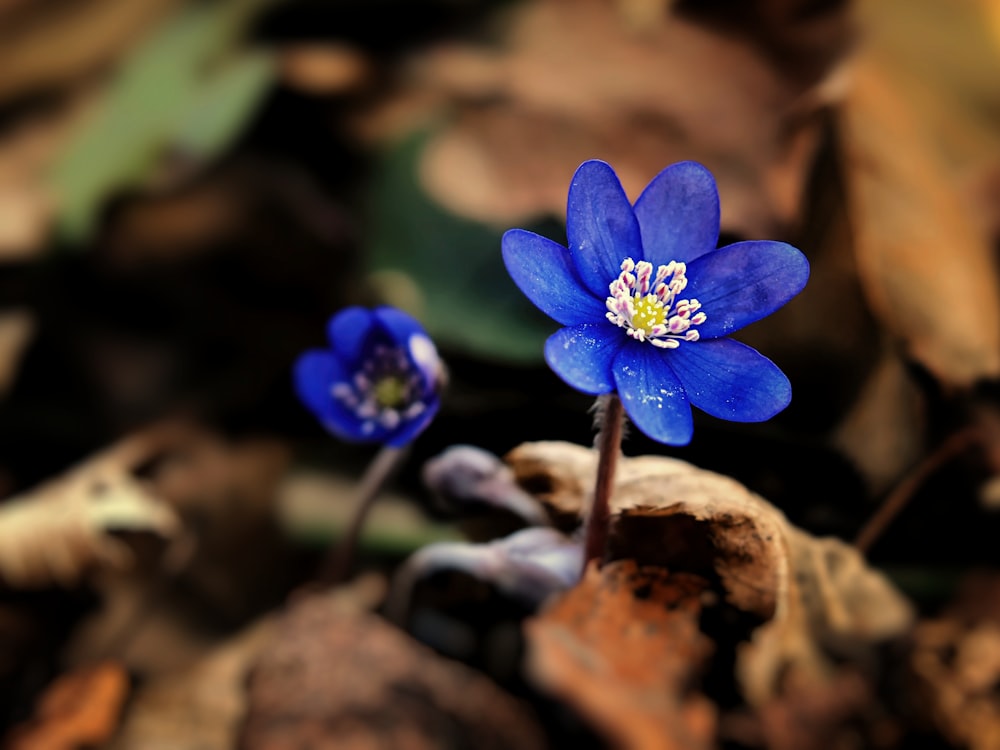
[
  {"x": 336, "y": 678},
  {"x": 817, "y": 596},
  {"x": 929, "y": 272},
  {"x": 623, "y": 647},
  {"x": 80, "y": 709},
  {"x": 52, "y": 534}
]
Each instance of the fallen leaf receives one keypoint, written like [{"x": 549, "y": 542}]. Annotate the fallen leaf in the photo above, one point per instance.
[
  {"x": 89, "y": 35},
  {"x": 956, "y": 662},
  {"x": 576, "y": 80},
  {"x": 199, "y": 706},
  {"x": 54, "y": 533},
  {"x": 336, "y": 678},
  {"x": 840, "y": 712},
  {"x": 927, "y": 267},
  {"x": 819, "y": 600},
  {"x": 27, "y": 152},
  {"x": 883, "y": 432},
  {"x": 79, "y": 710},
  {"x": 623, "y": 648}
]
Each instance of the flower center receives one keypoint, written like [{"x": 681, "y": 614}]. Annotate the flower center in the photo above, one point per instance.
[
  {"x": 645, "y": 304},
  {"x": 390, "y": 392},
  {"x": 385, "y": 391}
]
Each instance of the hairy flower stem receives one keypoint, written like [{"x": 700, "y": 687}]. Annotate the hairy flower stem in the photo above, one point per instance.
[
  {"x": 340, "y": 558},
  {"x": 611, "y": 416}
]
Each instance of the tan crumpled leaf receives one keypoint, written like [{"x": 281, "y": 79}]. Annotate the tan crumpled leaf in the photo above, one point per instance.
[
  {"x": 928, "y": 270},
  {"x": 337, "y": 678},
  {"x": 79, "y": 709},
  {"x": 817, "y": 595},
  {"x": 623, "y": 648},
  {"x": 579, "y": 79},
  {"x": 52, "y": 534}
]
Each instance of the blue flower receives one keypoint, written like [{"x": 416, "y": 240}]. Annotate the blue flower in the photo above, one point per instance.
[
  {"x": 379, "y": 382},
  {"x": 647, "y": 300}
]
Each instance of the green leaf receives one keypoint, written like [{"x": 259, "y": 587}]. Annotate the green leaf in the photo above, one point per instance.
[
  {"x": 466, "y": 298},
  {"x": 224, "y": 105},
  {"x": 188, "y": 85}
]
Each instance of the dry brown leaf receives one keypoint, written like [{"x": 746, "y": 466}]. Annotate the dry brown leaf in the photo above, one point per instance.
[
  {"x": 88, "y": 35},
  {"x": 27, "y": 152},
  {"x": 928, "y": 270},
  {"x": 956, "y": 660},
  {"x": 579, "y": 79},
  {"x": 229, "y": 564},
  {"x": 335, "y": 678},
  {"x": 817, "y": 594},
  {"x": 883, "y": 433},
  {"x": 79, "y": 710},
  {"x": 813, "y": 716},
  {"x": 54, "y": 533},
  {"x": 198, "y": 707},
  {"x": 623, "y": 648}
]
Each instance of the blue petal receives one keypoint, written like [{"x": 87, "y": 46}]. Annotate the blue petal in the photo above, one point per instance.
[
  {"x": 544, "y": 271},
  {"x": 653, "y": 396},
  {"x": 315, "y": 373},
  {"x": 742, "y": 283},
  {"x": 601, "y": 226},
  {"x": 583, "y": 355},
  {"x": 678, "y": 214},
  {"x": 730, "y": 380},
  {"x": 406, "y": 432},
  {"x": 348, "y": 330},
  {"x": 397, "y": 326}
]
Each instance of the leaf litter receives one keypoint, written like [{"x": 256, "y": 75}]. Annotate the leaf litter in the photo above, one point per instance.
[{"x": 765, "y": 635}]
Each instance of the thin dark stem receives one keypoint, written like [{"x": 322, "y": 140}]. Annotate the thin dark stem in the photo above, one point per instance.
[
  {"x": 340, "y": 558},
  {"x": 902, "y": 493},
  {"x": 609, "y": 445}
]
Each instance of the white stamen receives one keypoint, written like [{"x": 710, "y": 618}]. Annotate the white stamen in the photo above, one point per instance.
[
  {"x": 640, "y": 295},
  {"x": 410, "y": 371}
]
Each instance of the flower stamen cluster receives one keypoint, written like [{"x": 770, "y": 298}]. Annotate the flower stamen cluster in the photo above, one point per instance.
[
  {"x": 384, "y": 392},
  {"x": 646, "y": 305}
]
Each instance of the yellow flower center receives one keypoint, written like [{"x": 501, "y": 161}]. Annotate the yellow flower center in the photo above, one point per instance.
[
  {"x": 390, "y": 392},
  {"x": 643, "y": 301},
  {"x": 649, "y": 311}
]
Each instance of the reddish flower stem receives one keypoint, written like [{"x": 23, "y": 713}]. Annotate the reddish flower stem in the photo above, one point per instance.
[
  {"x": 609, "y": 445},
  {"x": 340, "y": 557}
]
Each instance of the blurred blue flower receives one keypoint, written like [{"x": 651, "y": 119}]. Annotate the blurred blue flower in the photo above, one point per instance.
[
  {"x": 380, "y": 380},
  {"x": 647, "y": 298}
]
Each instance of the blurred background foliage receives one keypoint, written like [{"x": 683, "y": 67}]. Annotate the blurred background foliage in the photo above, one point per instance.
[{"x": 188, "y": 189}]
